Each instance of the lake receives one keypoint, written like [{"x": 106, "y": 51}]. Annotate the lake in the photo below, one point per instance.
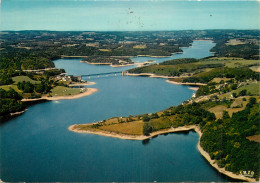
[
  {"x": 199, "y": 49},
  {"x": 37, "y": 146}
]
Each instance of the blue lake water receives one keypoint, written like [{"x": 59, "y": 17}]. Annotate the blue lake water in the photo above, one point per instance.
[
  {"x": 37, "y": 147},
  {"x": 199, "y": 49}
]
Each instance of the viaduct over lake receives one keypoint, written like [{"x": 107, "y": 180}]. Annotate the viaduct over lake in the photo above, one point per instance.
[{"x": 104, "y": 74}]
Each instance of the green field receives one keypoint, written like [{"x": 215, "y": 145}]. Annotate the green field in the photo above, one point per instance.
[
  {"x": 217, "y": 80},
  {"x": 253, "y": 88},
  {"x": 17, "y": 79},
  {"x": 61, "y": 91},
  {"x": 229, "y": 62},
  {"x": 7, "y": 87},
  {"x": 130, "y": 128},
  {"x": 241, "y": 63},
  {"x": 238, "y": 105},
  {"x": 122, "y": 125}
]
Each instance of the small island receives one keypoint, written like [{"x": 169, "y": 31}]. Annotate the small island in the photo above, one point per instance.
[{"x": 107, "y": 60}]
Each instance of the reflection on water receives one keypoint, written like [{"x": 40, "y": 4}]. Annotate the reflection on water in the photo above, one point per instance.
[{"x": 146, "y": 141}]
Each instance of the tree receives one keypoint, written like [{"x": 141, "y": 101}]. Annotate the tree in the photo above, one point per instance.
[
  {"x": 146, "y": 118},
  {"x": 225, "y": 115},
  {"x": 234, "y": 95},
  {"x": 243, "y": 92},
  {"x": 166, "y": 113},
  {"x": 39, "y": 88},
  {"x": 234, "y": 86},
  {"x": 13, "y": 94},
  {"x": 154, "y": 115},
  {"x": 147, "y": 129}
]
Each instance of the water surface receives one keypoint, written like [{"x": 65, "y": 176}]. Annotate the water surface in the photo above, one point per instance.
[{"x": 199, "y": 49}]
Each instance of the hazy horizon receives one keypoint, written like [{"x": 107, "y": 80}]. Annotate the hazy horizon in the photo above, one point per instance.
[
  {"x": 122, "y": 30},
  {"x": 82, "y": 15}
]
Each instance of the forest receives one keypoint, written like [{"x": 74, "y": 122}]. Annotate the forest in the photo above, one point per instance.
[
  {"x": 10, "y": 102},
  {"x": 226, "y": 139}
]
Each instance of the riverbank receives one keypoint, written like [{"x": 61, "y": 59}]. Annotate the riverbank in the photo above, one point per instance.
[
  {"x": 148, "y": 75},
  {"x": 82, "y": 84},
  {"x": 194, "y": 88},
  {"x": 168, "y": 81},
  {"x": 111, "y": 65},
  {"x": 189, "y": 84},
  {"x": 196, "y": 128},
  {"x": 131, "y": 137},
  {"x": 88, "y": 92},
  {"x": 154, "y": 56},
  {"x": 18, "y": 113},
  {"x": 106, "y": 63}
]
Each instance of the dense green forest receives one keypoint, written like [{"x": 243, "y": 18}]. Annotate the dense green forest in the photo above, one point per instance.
[
  {"x": 13, "y": 64},
  {"x": 43, "y": 88},
  {"x": 16, "y": 59},
  {"x": 246, "y": 51},
  {"x": 225, "y": 139},
  {"x": 10, "y": 101}
]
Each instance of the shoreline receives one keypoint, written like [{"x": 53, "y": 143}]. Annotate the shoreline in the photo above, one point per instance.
[
  {"x": 153, "y": 56},
  {"x": 189, "y": 84},
  {"x": 88, "y": 92},
  {"x": 18, "y": 113},
  {"x": 131, "y": 137},
  {"x": 149, "y": 74},
  {"x": 83, "y": 84},
  {"x": 168, "y": 81},
  {"x": 194, "y": 88},
  {"x": 171, "y": 130},
  {"x": 129, "y": 56},
  {"x": 110, "y": 64}
]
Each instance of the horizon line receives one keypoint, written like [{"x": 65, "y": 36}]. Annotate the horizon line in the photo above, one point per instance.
[{"x": 120, "y": 30}]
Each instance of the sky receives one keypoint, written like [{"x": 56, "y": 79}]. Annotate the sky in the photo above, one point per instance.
[{"x": 128, "y": 15}]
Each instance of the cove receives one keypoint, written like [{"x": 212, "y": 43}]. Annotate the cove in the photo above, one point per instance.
[{"x": 37, "y": 147}]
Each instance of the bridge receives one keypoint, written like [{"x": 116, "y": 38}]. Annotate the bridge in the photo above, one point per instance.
[{"x": 103, "y": 74}]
